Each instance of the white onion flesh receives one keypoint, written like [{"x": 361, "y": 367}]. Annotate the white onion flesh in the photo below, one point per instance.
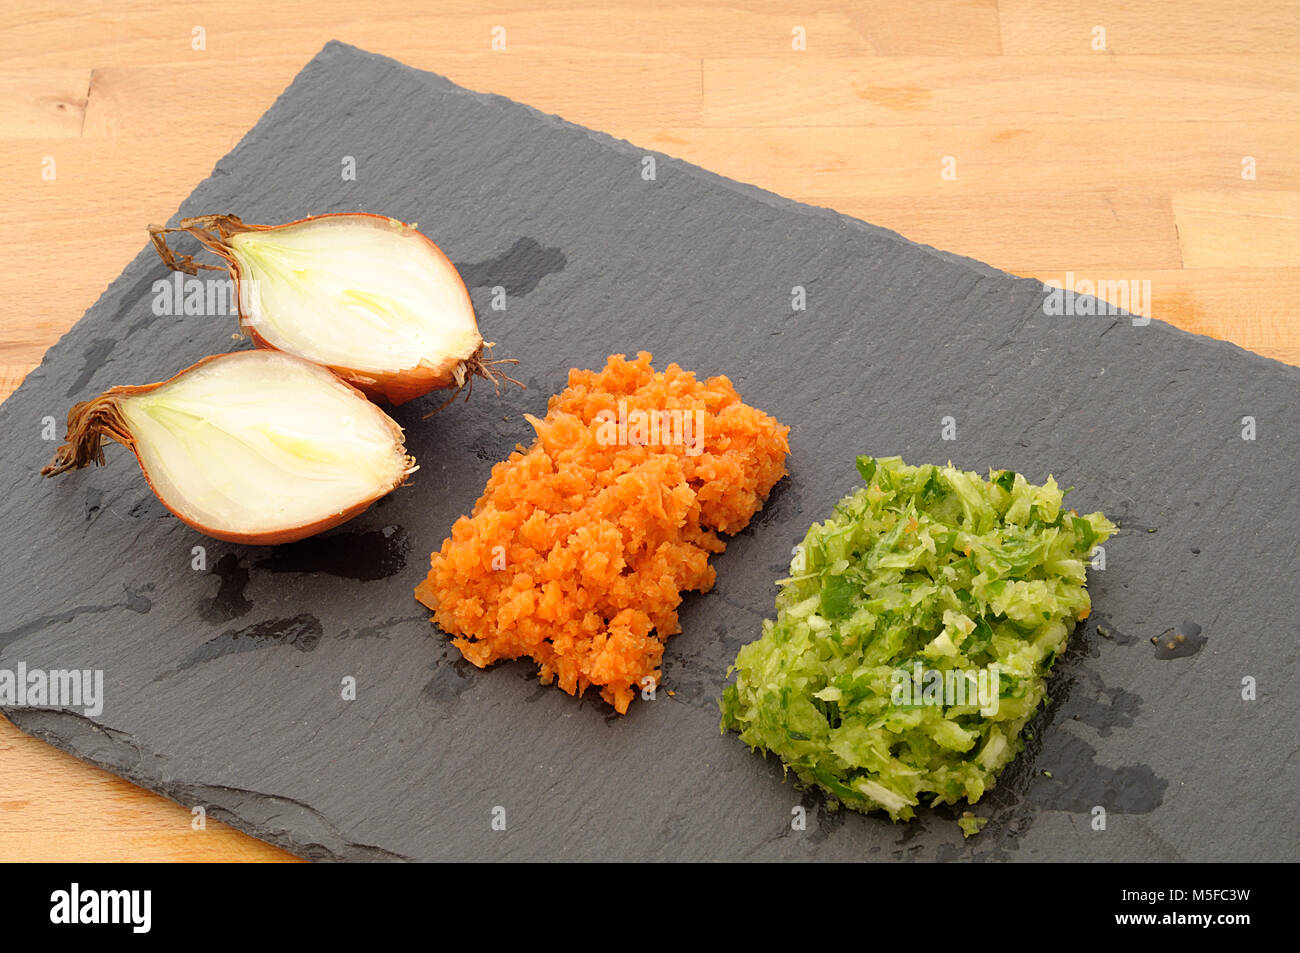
[
  {"x": 258, "y": 442},
  {"x": 355, "y": 291}
]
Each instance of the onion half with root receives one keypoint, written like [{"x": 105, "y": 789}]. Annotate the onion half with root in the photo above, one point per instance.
[
  {"x": 254, "y": 447},
  {"x": 367, "y": 296}
]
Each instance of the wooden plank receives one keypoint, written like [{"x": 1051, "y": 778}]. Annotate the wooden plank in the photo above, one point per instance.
[
  {"x": 135, "y": 33},
  {"x": 1003, "y": 91},
  {"x": 43, "y": 103},
  {"x": 1244, "y": 228},
  {"x": 12, "y": 375},
  {"x": 1158, "y": 158},
  {"x": 1112, "y": 235},
  {"x": 1144, "y": 27}
]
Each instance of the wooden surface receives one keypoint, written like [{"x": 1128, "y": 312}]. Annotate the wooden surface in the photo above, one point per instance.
[{"x": 1120, "y": 164}]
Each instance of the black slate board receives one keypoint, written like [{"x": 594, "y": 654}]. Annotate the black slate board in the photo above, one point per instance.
[{"x": 223, "y": 686}]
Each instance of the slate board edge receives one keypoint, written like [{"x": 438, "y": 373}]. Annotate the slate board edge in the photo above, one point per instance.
[
  {"x": 757, "y": 193},
  {"x": 753, "y": 192},
  {"x": 88, "y": 741}
]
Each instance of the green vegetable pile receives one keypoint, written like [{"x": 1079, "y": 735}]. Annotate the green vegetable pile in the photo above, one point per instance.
[{"x": 915, "y": 634}]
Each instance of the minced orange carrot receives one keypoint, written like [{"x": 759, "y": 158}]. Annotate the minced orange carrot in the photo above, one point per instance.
[{"x": 581, "y": 546}]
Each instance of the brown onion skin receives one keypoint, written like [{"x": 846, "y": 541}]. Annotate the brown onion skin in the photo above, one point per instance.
[
  {"x": 395, "y": 387},
  {"x": 291, "y": 535},
  {"x": 288, "y": 534}
]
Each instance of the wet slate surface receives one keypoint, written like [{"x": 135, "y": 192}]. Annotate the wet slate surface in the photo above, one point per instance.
[{"x": 223, "y": 684}]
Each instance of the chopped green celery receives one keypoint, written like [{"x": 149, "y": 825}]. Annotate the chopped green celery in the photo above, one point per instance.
[{"x": 922, "y": 571}]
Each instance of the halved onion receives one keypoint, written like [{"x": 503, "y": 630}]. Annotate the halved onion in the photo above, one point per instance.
[
  {"x": 254, "y": 447},
  {"x": 367, "y": 296}
]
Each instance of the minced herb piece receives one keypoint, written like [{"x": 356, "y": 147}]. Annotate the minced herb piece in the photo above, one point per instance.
[{"x": 914, "y": 635}]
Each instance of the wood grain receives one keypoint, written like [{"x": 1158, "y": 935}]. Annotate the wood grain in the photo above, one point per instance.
[
  {"x": 1258, "y": 229},
  {"x": 1122, "y": 163}
]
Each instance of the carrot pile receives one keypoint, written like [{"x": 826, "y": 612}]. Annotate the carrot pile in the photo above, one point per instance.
[{"x": 581, "y": 546}]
